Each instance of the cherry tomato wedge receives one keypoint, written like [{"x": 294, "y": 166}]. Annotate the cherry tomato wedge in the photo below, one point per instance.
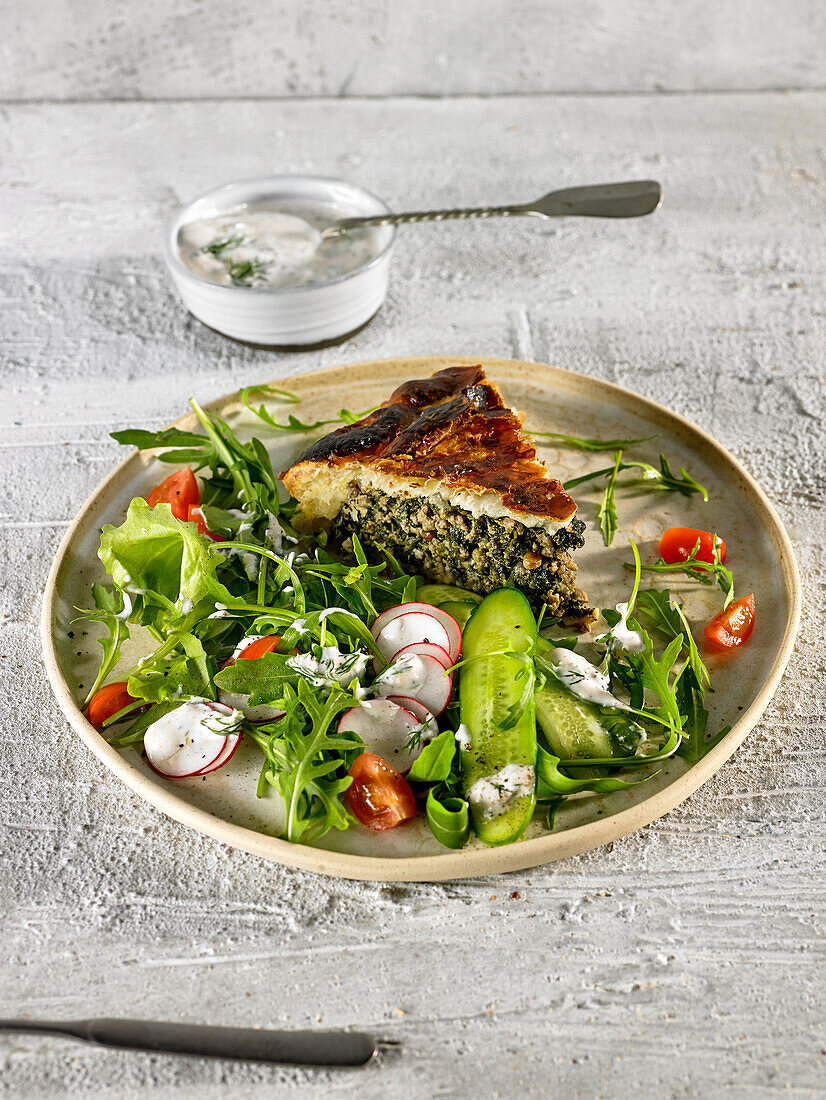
[
  {"x": 259, "y": 647},
  {"x": 196, "y": 515},
  {"x": 108, "y": 701},
  {"x": 733, "y": 626},
  {"x": 256, "y": 649},
  {"x": 179, "y": 490},
  {"x": 678, "y": 542},
  {"x": 379, "y": 796}
]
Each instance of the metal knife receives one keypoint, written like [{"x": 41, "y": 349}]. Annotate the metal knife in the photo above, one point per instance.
[{"x": 299, "y": 1048}]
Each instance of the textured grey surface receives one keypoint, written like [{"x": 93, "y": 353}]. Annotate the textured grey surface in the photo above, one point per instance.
[
  {"x": 200, "y": 48},
  {"x": 686, "y": 960}
]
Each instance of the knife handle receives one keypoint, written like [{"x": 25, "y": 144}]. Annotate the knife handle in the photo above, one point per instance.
[{"x": 300, "y": 1048}]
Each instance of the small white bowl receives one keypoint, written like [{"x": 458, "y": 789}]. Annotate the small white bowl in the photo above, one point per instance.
[{"x": 298, "y": 316}]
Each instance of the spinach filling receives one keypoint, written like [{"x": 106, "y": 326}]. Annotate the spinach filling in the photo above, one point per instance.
[{"x": 447, "y": 544}]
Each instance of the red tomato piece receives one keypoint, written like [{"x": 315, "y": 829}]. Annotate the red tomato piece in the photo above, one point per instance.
[
  {"x": 179, "y": 490},
  {"x": 256, "y": 649},
  {"x": 196, "y": 515},
  {"x": 678, "y": 542},
  {"x": 733, "y": 626},
  {"x": 108, "y": 701},
  {"x": 379, "y": 796},
  {"x": 259, "y": 647}
]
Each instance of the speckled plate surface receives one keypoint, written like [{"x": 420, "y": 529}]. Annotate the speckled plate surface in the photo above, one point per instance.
[{"x": 224, "y": 805}]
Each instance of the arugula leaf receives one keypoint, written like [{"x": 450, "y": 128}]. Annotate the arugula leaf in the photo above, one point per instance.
[
  {"x": 293, "y": 423},
  {"x": 690, "y": 697},
  {"x": 134, "y": 735},
  {"x": 608, "y": 507},
  {"x": 168, "y": 437},
  {"x": 264, "y": 679},
  {"x": 594, "y": 446},
  {"x": 110, "y": 606},
  {"x": 435, "y": 762},
  {"x": 657, "y": 605},
  {"x": 655, "y": 675},
  {"x": 308, "y": 766},
  {"x": 662, "y": 480},
  {"x": 184, "y": 672},
  {"x": 703, "y": 571}
]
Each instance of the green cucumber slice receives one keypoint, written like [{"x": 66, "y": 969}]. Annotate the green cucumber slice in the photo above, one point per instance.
[
  {"x": 440, "y": 594},
  {"x": 572, "y": 728},
  {"x": 491, "y": 689},
  {"x": 461, "y": 612}
]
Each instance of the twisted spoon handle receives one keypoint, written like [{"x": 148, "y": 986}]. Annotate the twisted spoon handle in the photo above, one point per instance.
[
  {"x": 426, "y": 216},
  {"x": 632, "y": 199}
]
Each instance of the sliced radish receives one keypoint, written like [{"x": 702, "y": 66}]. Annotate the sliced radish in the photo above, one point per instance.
[
  {"x": 387, "y": 730},
  {"x": 390, "y": 639},
  {"x": 233, "y": 740},
  {"x": 426, "y": 649},
  {"x": 418, "y": 677},
  {"x": 191, "y": 740},
  {"x": 259, "y": 713},
  {"x": 421, "y": 712}
]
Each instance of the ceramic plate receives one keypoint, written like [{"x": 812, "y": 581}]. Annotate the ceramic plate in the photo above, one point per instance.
[{"x": 224, "y": 805}]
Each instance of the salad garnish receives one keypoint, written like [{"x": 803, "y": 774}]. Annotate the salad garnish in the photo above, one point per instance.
[{"x": 368, "y": 691}]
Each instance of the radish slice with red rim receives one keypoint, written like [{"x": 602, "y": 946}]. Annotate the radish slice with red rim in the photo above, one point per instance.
[
  {"x": 191, "y": 739},
  {"x": 419, "y": 677},
  {"x": 233, "y": 740},
  {"x": 425, "y": 649},
  {"x": 390, "y": 731},
  {"x": 420, "y": 711},
  {"x": 421, "y": 623}
]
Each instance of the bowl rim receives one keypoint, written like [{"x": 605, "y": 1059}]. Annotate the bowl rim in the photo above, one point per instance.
[{"x": 179, "y": 269}]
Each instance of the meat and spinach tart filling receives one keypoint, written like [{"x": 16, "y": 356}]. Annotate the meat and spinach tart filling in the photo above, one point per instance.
[
  {"x": 443, "y": 477},
  {"x": 445, "y": 543}
]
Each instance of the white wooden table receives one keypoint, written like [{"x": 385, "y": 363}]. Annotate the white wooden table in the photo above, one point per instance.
[{"x": 684, "y": 960}]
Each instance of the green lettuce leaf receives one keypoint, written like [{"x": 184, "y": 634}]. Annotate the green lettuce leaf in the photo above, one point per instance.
[{"x": 166, "y": 564}]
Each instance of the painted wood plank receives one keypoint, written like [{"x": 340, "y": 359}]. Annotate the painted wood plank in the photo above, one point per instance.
[
  {"x": 178, "y": 49},
  {"x": 685, "y": 960}
]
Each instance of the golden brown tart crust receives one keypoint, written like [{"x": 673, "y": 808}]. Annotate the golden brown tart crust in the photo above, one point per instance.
[{"x": 454, "y": 427}]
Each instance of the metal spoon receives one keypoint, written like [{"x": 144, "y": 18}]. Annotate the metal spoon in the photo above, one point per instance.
[{"x": 604, "y": 200}]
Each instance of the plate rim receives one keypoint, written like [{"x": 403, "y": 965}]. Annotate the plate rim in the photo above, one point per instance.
[{"x": 464, "y": 863}]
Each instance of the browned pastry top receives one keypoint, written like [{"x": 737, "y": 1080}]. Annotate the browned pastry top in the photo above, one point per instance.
[{"x": 456, "y": 428}]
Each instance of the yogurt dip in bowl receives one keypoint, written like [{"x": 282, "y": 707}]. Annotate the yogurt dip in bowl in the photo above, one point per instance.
[{"x": 249, "y": 260}]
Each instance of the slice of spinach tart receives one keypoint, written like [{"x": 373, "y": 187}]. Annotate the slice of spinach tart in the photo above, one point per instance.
[{"x": 443, "y": 477}]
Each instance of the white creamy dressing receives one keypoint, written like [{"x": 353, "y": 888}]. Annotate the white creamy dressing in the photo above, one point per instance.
[
  {"x": 276, "y": 535},
  {"x": 405, "y": 630},
  {"x": 583, "y": 679},
  {"x": 493, "y": 794},
  {"x": 620, "y": 639},
  {"x": 251, "y": 562},
  {"x": 273, "y": 248},
  {"x": 331, "y": 667},
  {"x": 407, "y": 677},
  {"x": 463, "y": 738},
  {"x": 127, "y": 606}
]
